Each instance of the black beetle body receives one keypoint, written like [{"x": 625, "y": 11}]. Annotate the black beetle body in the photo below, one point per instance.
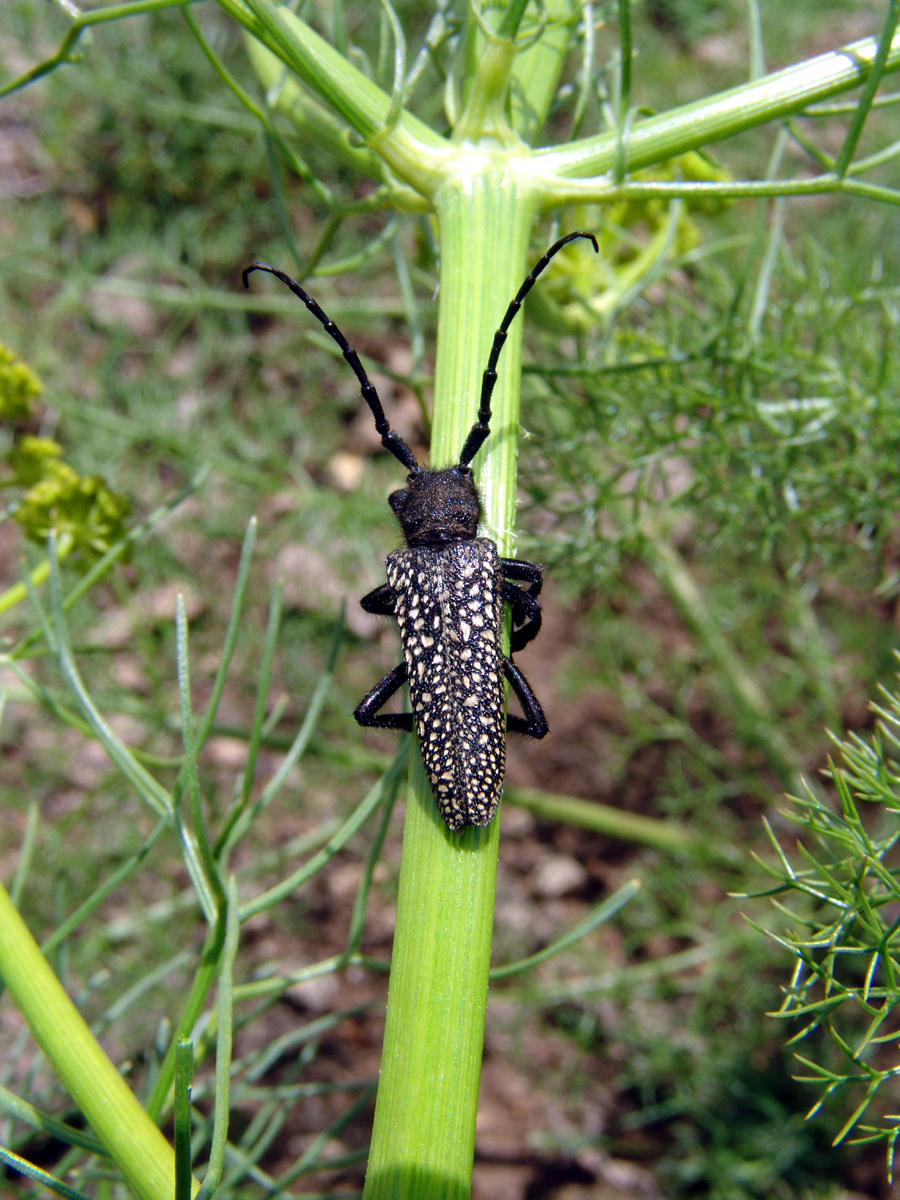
[
  {"x": 449, "y": 608},
  {"x": 447, "y": 589}
]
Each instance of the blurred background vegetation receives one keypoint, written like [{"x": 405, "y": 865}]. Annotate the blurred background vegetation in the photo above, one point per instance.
[{"x": 709, "y": 473}]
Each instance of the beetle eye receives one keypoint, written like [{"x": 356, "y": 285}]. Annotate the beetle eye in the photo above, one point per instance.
[{"x": 397, "y": 500}]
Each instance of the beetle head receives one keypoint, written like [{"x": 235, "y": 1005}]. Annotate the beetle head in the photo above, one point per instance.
[{"x": 438, "y": 507}]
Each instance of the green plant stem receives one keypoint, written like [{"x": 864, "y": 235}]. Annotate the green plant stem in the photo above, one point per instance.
[
  {"x": 16, "y": 594},
  {"x": 224, "y": 1036},
  {"x": 30, "y": 1171},
  {"x": 200, "y": 985},
  {"x": 879, "y": 65},
  {"x": 20, "y": 1110},
  {"x": 601, "y": 912},
  {"x": 184, "y": 1073},
  {"x": 424, "y": 1132},
  {"x": 25, "y": 854},
  {"x": 750, "y": 700},
  {"x": 298, "y": 166},
  {"x": 724, "y": 114},
  {"x": 601, "y": 818},
  {"x": 626, "y": 52},
  {"x": 596, "y": 190},
  {"x": 408, "y": 146},
  {"x": 65, "y": 53},
  {"x": 536, "y": 71},
  {"x": 141, "y": 1152}
]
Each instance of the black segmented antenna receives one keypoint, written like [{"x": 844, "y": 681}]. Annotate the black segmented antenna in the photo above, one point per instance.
[
  {"x": 482, "y": 427},
  {"x": 389, "y": 439}
]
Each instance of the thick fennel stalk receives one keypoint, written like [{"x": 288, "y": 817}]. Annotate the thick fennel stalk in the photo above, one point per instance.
[{"x": 424, "y": 1135}]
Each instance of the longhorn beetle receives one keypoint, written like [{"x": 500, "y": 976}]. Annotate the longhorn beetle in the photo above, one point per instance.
[{"x": 447, "y": 590}]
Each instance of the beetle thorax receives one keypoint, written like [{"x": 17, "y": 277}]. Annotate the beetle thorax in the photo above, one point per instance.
[{"x": 438, "y": 507}]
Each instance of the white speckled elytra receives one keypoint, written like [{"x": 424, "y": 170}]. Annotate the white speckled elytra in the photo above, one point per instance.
[{"x": 447, "y": 591}]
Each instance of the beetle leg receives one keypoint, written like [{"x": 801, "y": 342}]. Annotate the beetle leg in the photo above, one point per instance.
[
  {"x": 367, "y": 709},
  {"x": 526, "y": 611},
  {"x": 534, "y": 723},
  {"x": 381, "y": 601},
  {"x": 518, "y": 568}
]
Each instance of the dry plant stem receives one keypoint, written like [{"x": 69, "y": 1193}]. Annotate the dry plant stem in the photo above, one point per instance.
[
  {"x": 424, "y": 1134},
  {"x": 141, "y": 1152}
]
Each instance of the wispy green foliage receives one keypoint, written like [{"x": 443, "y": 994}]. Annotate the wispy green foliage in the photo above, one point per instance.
[
  {"x": 838, "y": 899},
  {"x": 781, "y": 439}
]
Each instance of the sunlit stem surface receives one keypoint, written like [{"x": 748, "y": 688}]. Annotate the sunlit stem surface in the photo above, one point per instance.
[{"x": 424, "y": 1135}]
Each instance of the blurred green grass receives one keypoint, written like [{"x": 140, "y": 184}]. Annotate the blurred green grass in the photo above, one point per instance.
[{"x": 135, "y": 165}]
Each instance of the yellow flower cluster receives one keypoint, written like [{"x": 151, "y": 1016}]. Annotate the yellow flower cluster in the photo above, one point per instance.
[
  {"x": 55, "y": 496},
  {"x": 18, "y": 386}
]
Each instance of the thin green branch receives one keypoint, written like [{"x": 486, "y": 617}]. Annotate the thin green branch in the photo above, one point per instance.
[
  {"x": 231, "y": 632},
  {"x": 284, "y": 220},
  {"x": 849, "y": 106},
  {"x": 184, "y": 1073},
  {"x": 353, "y": 261},
  {"x": 757, "y": 46},
  {"x": 262, "y": 114},
  {"x": 398, "y": 84},
  {"x": 819, "y": 156},
  {"x": 358, "y": 916},
  {"x": 364, "y": 810},
  {"x": 572, "y": 191},
  {"x": 20, "y": 1110},
  {"x": 203, "y": 979},
  {"x": 760, "y": 305},
  {"x": 409, "y": 147},
  {"x": 224, "y": 1008},
  {"x": 25, "y": 854},
  {"x": 873, "y": 82},
  {"x": 108, "y": 886},
  {"x": 141, "y": 780},
  {"x": 210, "y": 877},
  {"x": 237, "y": 824},
  {"x": 309, "y": 1159},
  {"x": 614, "y": 822},
  {"x": 30, "y": 1171},
  {"x": 752, "y": 703},
  {"x": 115, "y": 12},
  {"x": 586, "y": 74},
  {"x": 626, "y": 57},
  {"x": 875, "y": 160},
  {"x": 697, "y": 124},
  {"x": 270, "y": 645},
  {"x": 602, "y": 912}
]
